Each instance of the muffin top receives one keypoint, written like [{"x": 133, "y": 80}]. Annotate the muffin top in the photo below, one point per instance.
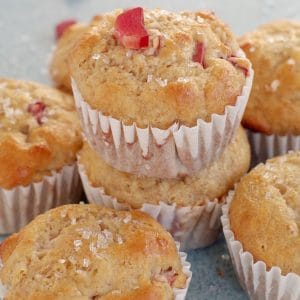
[
  {"x": 208, "y": 184},
  {"x": 58, "y": 68},
  {"x": 265, "y": 213},
  {"x": 274, "y": 103},
  {"x": 91, "y": 252},
  {"x": 39, "y": 132},
  {"x": 154, "y": 67}
]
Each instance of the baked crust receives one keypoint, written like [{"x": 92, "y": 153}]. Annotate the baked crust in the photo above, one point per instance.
[
  {"x": 274, "y": 103},
  {"x": 265, "y": 213},
  {"x": 210, "y": 183},
  {"x": 33, "y": 144},
  {"x": 91, "y": 252},
  {"x": 159, "y": 86},
  {"x": 58, "y": 68}
]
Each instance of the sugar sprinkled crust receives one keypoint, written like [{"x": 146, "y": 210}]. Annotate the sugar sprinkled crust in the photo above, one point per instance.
[
  {"x": 91, "y": 252},
  {"x": 39, "y": 132},
  {"x": 161, "y": 84},
  {"x": 265, "y": 213},
  {"x": 274, "y": 103},
  {"x": 209, "y": 184}
]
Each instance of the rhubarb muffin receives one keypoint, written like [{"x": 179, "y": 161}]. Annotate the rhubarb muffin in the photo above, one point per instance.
[
  {"x": 274, "y": 103},
  {"x": 264, "y": 217},
  {"x": 67, "y": 37},
  {"x": 189, "y": 207},
  {"x": 146, "y": 81},
  {"x": 92, "y": 252},
  {"x": 39, "y": 139}
]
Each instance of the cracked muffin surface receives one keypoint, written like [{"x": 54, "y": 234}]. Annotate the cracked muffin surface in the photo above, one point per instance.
[
  {"x": 91, "y": 252},
  {"x": 188, "y": 71}
]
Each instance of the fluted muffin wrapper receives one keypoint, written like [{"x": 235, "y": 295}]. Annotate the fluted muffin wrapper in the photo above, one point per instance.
[
  {"x": 193, "y": 226},
  {"x": 179, "y": 294},
  {"x": 18, "y": 206},
  {"x": 256, "y": 280},
  {"x": 153, "y": 152},
  {"x": 265, "y": 146}
]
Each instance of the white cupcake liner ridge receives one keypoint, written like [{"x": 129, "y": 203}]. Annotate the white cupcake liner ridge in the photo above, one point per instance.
[{"x": 20, "y": 205}]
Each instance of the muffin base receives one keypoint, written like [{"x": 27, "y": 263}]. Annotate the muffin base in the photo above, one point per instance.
[
  {"x": 21, "y": 204},
  {"x": 153, "y": 152},
  {"x": 256, "y": 280},
  {"x": 265, "y": 146},
  {"x": 192, "y": 226}
]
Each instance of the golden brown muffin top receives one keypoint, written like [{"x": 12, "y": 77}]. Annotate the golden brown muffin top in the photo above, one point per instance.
[
  {"x": 39, "y": 132},
  {"x": 58, "y": 68},
  {"x": 160, "y": 84},
  {"x": 274, "y": 103},
  {"x": 209, "y": 184},
  {"x": 265, "y": 213},
  {"x": 91, "y": 252}
]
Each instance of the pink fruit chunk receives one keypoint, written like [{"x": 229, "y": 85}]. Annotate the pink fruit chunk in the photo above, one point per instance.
[
  {"x": 37, "y": 110},
  {"x": 62, "y": 26},
  {"x": 130, "y": 29},
  {"x": 199, "y": 53}
]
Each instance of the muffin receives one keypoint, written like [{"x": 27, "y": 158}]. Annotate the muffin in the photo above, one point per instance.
[
  {"x": 40, "y": 136},
  {"x": 188, "y": 207},
  {"x": 262, "y": 229},
  {"x": 58, "y": 67},
  {"x": 160, "y": 94},
  {"x": 92, "y": 252},
  {"x": 273, "y": 112}
]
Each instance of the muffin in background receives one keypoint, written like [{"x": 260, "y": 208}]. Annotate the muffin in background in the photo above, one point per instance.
[
  {"x": 40, "y": 135},
  {"x": 89, "y": 251},
  {"x": 188, "y": 207},
  {"x": 273, "y": 111},
  {"x": 58, "y": 68},
  {"x": 262, "y": 229},
  {"x": 165, "y": 100}
]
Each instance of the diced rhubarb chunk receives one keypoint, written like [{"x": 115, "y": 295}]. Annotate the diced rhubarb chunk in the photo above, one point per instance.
[
  {"x": 62, "y": 26},
  {"x": 130, "y": 29},
  {"x": 37, "y": 110},
  {"x": 199, "y": 53}
]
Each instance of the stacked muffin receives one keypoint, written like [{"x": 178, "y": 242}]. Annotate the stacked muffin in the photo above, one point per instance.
[{"x": 161, "y": 96}]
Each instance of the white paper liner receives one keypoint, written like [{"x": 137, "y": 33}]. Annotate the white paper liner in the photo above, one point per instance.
[
  {"x": 179, "y": 294},
  {"x": 193, "y": 226},
  {"x": 161, "y": 153},
  {"x": 20, "y": 205},
  {"x": 267, "y": 146},
  {"x": 257, "y": 281}
]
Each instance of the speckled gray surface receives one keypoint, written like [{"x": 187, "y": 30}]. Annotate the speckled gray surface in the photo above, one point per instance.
[{"x": 27, "y": 37}]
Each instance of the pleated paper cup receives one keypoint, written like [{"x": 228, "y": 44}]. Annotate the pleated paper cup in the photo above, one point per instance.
[
  {"x": 153, "y": 152},
  {"x": 179, "y": 294},
  {"x": 254, "y": 277},
  {"x": 267, "y": 146},
  {"x": 20, "y": 205},
  {"x": 193, "y": 226}
]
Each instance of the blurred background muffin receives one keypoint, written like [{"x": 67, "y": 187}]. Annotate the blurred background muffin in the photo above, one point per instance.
[{"x": 273, "y": 111}]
